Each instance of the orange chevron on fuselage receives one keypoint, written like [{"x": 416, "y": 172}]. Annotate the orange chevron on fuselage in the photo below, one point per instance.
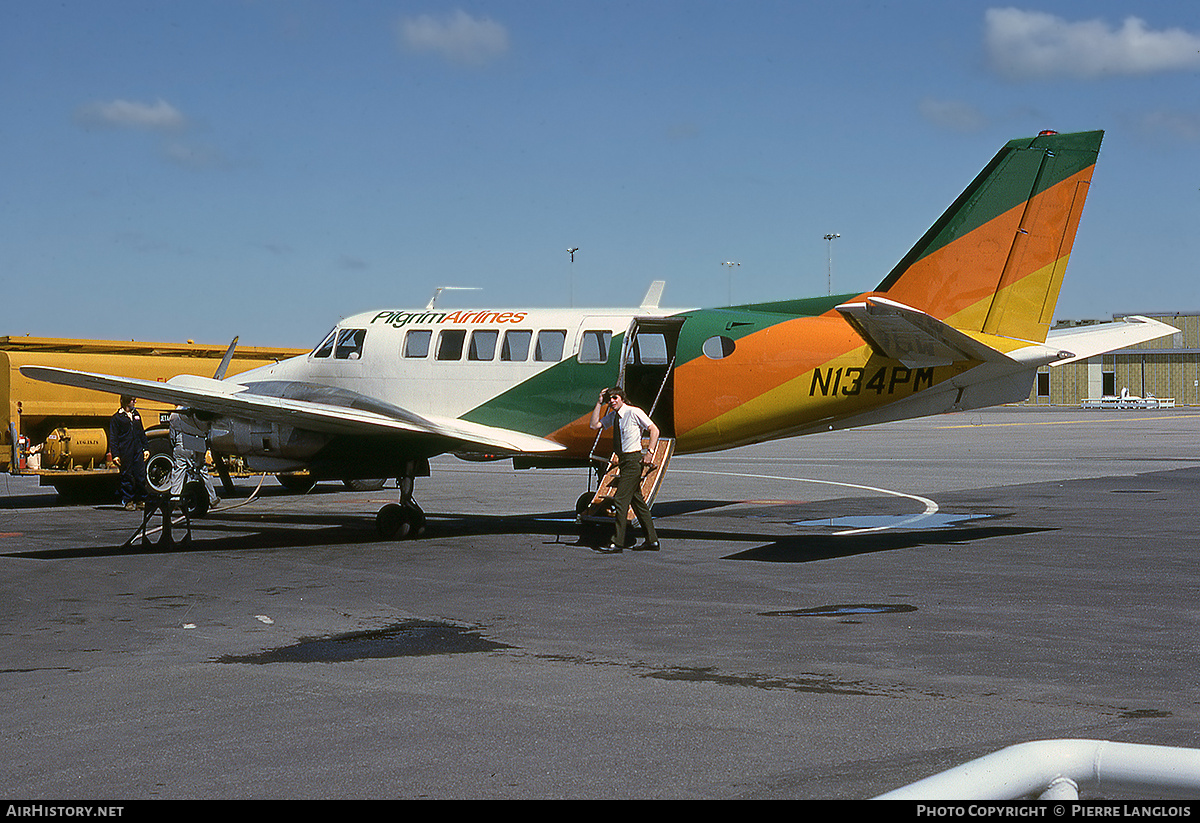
[
  {"x": 714, "y": 398},
  {"x": 789, "y": 377}
]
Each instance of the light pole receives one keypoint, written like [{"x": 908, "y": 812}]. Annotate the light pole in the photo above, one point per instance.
[
  {"x": 829, "y": 238},
  {"x": 571, "y": 276},
  {"x": 731, "y": 264}
]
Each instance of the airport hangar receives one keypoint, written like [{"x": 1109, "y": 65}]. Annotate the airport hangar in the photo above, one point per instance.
[{"x": 1168, "y": 367}]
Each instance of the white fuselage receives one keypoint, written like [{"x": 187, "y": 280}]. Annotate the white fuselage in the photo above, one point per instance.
[{"x": 447, "y": 362}]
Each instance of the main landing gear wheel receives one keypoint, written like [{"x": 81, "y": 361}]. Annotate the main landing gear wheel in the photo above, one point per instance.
[
  {"x": 397, "y": 521},
  {"x": 404, "y": 520},
  {"x": 296, "y": 483},
  {"x": 194, "y": 500}
]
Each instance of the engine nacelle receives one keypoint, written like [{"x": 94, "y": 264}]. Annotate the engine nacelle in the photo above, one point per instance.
[{"x": 266, "y": 446}]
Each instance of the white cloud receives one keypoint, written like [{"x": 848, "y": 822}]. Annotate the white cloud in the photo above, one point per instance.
[
  {"x": 192, "y": 155},
  {"x": 1181, "y": 125},
  {"x": 1026, "y": 45},
  {"x": 459, "y": 38},
  {"x": 157, "y": 116},
  {"x": 173, "y": 131},
  {"x": 953, "y": 115}
]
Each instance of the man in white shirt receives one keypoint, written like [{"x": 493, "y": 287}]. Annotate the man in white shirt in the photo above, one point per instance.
[{"x": 628, "y": 424}]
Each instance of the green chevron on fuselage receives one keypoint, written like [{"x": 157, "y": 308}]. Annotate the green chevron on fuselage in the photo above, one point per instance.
[{"x": 565, "y": 392}]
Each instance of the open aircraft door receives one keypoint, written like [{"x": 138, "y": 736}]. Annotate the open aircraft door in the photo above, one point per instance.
[{"x": 647, "y": 374}]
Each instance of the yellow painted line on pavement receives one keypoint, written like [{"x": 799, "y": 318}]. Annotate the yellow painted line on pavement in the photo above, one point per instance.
[{"x": 1066, "y": 422}]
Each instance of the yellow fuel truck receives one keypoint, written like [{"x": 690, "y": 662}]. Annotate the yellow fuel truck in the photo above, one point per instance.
[{"x": 60, "y": 433}]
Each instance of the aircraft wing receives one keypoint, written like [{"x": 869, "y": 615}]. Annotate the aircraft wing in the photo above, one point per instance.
[
  {"x": 236, "y": 400},
  {"x": 913, "y": 337},
  {"x": 1082, "y": 342}
]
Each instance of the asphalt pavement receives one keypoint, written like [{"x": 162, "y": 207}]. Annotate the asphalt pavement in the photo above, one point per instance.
[{"x": 830, "y": 617}]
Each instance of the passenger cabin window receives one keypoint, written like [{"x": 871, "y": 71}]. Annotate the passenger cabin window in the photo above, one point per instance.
[
  {"x": 550, "y": 345},
  {"x": 450, "y": 344},
  {"x": 516, "y": 345},
  {"x": 483, "y": 344},
  {"x": 594, "y": 346},
  {"x": 326, "y": 347},
  {"x": 416, "y": 342},
  {"x": 349, "y": 344},
  {"x": 718, "y": 347}
]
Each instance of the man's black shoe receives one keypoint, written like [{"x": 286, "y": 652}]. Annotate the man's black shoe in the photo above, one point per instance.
[
  {"x": 611, "y": 548},
  {"x": 647, "y": 547}
]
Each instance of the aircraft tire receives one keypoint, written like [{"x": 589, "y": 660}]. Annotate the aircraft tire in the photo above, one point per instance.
[
  {"x": 195, "y": 499},
  {"x": 416, "y": 519},
  {"x": 591, "y": 534},
  {"x": 389, "y": 520},
  {"x": 298, "y": 483},
  {"x": 583, "y": 502},
  {"x": 158, "y": 473},
  {"x": 397, "y": 522},
  {"x": 364, "y": 485}
]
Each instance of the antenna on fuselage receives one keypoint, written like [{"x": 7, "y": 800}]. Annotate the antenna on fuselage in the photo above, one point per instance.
[{"x": 437, "y": 292}]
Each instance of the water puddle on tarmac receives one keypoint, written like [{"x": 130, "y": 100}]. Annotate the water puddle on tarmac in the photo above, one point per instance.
[
  {"x": 936, "y": 520},
  {"x": 401, "y": 640},
  {"x": 845, "y": 610}
]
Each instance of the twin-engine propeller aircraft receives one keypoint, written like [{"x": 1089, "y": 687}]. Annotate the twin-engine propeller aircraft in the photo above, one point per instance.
[{"x": 961, "y": 322}]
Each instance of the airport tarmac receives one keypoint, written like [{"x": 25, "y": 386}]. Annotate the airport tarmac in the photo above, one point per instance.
[{"x": 831, "y": 617}]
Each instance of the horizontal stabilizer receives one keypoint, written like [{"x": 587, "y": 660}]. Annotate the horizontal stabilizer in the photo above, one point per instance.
[
  {"x": 1082, "y": 342},
  {"x": 913, "y": 337},
  {"x": 234, "y": 400}
]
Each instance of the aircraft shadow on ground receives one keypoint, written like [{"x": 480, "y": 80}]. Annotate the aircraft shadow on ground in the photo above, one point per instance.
[
  {"x": 809, "y": 547},
  {"x": 244, "y": 531},
  {"x": 29, "y": 501}
]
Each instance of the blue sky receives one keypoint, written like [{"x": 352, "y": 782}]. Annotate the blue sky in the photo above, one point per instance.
[{"x": 199, "y": 170}]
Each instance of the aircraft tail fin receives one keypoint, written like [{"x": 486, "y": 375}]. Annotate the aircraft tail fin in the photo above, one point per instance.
[{"x": 994, "y": 261}]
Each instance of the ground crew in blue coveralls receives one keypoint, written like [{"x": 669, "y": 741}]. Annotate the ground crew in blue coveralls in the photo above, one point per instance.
[{"x": 129, "y": 447}]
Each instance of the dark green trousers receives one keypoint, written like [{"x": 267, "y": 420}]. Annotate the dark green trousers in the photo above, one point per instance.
[{"x": 629, "y": 493}]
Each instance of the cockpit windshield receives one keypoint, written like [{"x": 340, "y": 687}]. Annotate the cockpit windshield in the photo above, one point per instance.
[
  {"x": 343, "y": 344},
  {"x": 349, "y": 344},
  {"x": 326, "y": 347}
]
